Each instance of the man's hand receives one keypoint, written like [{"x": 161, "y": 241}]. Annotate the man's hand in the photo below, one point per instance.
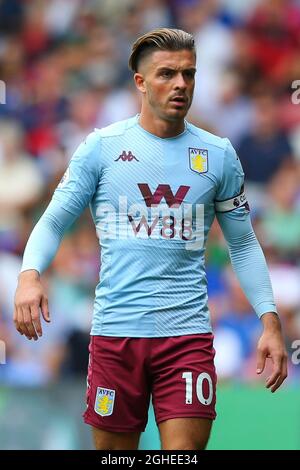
[
  {"x": 271, "y": 345},
  {"x": 29, "y": 299}
]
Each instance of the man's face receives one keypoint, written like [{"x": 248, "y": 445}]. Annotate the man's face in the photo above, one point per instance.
[{"x": 167, "y": 80}]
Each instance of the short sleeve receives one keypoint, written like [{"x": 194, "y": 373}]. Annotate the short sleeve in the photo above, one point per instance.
[
  {"x": 80, "y": 181},
  {"x": 230, "y": 194}
]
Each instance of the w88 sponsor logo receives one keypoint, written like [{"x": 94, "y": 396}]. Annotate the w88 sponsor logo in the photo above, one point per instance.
[{"x": 171, "y": 220}]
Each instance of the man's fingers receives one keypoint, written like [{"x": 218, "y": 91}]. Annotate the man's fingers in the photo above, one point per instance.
[
  {"x": 273, "y": 378},
  {"x": 277, "y": 362},
  {"x": 31, "y": 333},
  {"x": 45, "y": 309},
  {"x": 285, "y": 366},
  {"x": 35, "y": 316},
  {"x": 261, "y": 361},
  {"x": 17, "y": 320},
  {"x": 27, "y": 319},
  {"x": 278, "y": 382},
  {"x": 22, "y": 323},
  {"x": 275, "y": 381},
  {"x": 29, "y": 300}
]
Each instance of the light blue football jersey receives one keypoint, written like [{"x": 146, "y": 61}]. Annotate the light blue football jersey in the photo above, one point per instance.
[{"x": 153, "y": 201}]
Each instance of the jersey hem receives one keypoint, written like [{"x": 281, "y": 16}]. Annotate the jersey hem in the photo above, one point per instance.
[{"x": 131, "y": 334}]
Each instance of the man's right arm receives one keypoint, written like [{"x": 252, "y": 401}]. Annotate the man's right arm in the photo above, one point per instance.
[
  {"x": 71, "y": 197},
  {"x": 40, "y": 250},
  {"x": 46, "y": 236}
]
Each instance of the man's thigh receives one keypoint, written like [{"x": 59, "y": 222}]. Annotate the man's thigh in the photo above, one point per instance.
[
  {"x": 105, "y": 440},
  {"x": 185, "y": 433},
  {"x": 184, "y": 379},
  {"x": 118, "y": 392}
]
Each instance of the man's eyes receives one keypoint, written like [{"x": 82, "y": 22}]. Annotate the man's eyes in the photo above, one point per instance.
[
  {"x": 189, "y": 74},
  {"x": 170, "y": 73},
  {"x": 167, "y": 73}
]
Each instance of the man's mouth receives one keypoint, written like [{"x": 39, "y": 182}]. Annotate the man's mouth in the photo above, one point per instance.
[{"x": 178, "y": 99}]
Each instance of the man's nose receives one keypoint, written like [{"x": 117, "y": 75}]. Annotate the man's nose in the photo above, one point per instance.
[{"x": 180, "y": 81}]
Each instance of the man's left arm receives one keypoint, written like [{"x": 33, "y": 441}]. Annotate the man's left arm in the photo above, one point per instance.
[{"x": 250, "y": 266}]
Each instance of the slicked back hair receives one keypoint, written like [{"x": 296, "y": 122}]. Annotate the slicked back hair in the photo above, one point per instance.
[{"x": 165, "y": 39}]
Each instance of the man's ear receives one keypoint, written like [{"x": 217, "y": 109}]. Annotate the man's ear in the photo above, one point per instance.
[{"x": 139, "y": 82}]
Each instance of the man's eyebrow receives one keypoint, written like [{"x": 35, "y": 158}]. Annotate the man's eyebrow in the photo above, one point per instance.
[
  {"x": 165, "y": 67},
  {"x": 169, "y": 68},
  {"x": 191, "y": 69}
]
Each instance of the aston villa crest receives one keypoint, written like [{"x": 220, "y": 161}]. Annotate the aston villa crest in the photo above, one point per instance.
[
  {"x": 104, "y": 402},
  {"x": 198, "y": 160}
]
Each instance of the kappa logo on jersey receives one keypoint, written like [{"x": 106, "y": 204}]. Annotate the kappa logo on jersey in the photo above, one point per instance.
[
  {"x": 126, "y": 157},
  {"x": 198, "y": 160},
  {"x": 163, "y": 191},
  {"x": 104, "y": 402}
]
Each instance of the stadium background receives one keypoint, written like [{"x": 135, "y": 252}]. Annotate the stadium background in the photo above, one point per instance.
[{"x": 64, "y": 64}]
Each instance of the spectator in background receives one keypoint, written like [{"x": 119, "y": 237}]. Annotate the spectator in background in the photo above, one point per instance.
[
  {"x": 280, "y": 227},
  {"x": 232, "y": 113},
  {"x": 275, "y": 30},
  {"x": 264, "y": 149},
  {"x": 236, "y": 330},
  {"x": 21, "y": 184}
]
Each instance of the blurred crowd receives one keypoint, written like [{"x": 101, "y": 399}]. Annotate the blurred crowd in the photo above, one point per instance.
[{"x": 64, "y": 64}]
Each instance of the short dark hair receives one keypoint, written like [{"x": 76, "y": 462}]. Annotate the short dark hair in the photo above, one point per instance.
[{"x": 165, "y": 39}]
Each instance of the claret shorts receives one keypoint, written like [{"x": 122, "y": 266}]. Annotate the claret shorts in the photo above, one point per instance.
[{"x": 178, "y": 371}]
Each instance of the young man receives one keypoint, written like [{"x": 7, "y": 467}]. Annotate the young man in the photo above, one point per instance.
[{"x": 154, "y": 184}]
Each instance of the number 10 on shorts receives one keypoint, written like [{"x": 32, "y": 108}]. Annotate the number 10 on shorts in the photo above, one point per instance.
[{"x": 188, "y": 376}]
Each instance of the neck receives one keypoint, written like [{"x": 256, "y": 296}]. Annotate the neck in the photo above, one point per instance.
[{"x": 160, "y": 127}]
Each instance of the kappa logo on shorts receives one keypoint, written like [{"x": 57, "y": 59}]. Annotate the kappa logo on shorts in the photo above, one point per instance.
[{"x": 104, "y": 403}]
